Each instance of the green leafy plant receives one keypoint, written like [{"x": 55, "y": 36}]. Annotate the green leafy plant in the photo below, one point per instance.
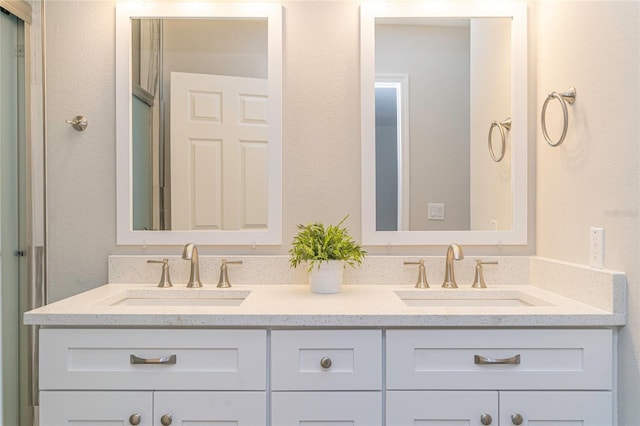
[{"x": 316, "y": 243}]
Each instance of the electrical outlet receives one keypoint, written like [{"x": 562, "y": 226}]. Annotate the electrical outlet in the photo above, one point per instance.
[{"x": 596, "y": 248}]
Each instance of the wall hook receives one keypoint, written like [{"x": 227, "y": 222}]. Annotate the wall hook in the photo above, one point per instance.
[{"x": 79, "y": 122}]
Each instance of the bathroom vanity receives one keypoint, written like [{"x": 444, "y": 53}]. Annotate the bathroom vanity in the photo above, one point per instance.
[{"x": 371, "y": 355}]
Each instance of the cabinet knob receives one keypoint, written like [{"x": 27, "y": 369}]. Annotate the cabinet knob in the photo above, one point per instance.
[
  {"x": 325, "y": 362},
  {"x": 486, "y": 419},
  {"x": 134, "y": 419},
  {"x": 166, "y": 420},
  {"x": 517, "y": 419}
]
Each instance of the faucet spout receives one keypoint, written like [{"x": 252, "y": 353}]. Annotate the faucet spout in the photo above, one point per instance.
[
  {"x": 454, "y": 252},
  {"x": 190, "y": 252}
]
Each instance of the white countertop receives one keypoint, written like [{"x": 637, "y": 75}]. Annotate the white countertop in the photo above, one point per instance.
[{"x": 294, "y": 306}]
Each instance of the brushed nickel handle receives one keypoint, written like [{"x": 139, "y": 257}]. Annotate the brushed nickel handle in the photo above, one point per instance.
[
  {"x": 481, "y": 360},
  {"x": 134, "y": 419},
  {"x": 325, "y": 362},
  {"x": 486, "y": 419},
  {"x": 517, "y": 419},
  {"x": 166, "y": 360},
  {"x": 166, "y": 420}
]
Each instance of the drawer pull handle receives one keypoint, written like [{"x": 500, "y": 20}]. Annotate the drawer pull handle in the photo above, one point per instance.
[
  {"x": 166, "y": 420},
  {"x": 486, "y": 419},
  {"x": 134, "y": 419},
  {"x": 171, "y": 359},
  {"x": 325, "y": 362},
  {"x": 481, "y": 360},
  {"x": 517, "y": 419}
]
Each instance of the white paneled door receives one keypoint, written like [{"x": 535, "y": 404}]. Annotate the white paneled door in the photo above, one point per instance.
[{"x": 219, "y": 145}]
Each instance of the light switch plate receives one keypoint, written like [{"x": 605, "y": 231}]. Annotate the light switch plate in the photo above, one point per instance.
[{"x": 435, "y": 211}]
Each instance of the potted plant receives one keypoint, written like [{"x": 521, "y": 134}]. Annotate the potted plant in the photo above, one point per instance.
[{"x": 326, "y": 250}]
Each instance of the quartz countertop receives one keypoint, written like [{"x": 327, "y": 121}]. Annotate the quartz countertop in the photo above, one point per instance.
[{"x": 294, "y": 306}]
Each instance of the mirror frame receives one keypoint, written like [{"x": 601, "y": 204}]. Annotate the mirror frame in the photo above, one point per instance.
[
  {"x": 272, "y": 235},
  {"x": 518, "y": 13}
]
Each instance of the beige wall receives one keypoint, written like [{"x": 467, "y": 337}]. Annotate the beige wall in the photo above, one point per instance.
[
  {"x": 321, "y": 137},
  {"x": 591, "y": 180}
]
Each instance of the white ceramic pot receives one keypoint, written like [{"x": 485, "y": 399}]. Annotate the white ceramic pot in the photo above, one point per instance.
[{"x": 327, "y": 279}]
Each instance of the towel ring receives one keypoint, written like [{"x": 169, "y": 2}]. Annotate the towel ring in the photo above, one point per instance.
[
  {"x": 501, "y": 125},
  {"x": 568, "y": 96}
]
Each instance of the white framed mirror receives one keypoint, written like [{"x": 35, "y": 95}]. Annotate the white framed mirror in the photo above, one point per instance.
[
  {"x": 434, "y": 79},
  {"x": 199, "y": 123}
]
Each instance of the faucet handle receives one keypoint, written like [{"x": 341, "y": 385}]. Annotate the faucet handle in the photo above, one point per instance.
[
  {"x": 478, "y": 280},
  {"x": 223, "y": 282},
  {"x": 165, "y": 279},
  {"x": 422, "y": 275}
]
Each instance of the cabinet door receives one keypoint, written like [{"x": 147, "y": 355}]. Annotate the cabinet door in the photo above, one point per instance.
[
  {"x": 219, "y": 408},
  {"x": 95, "y": 408},
  {"x": 326, "y": 408},
  {"x": 442, "y": 408},
  {"x": 556, "y": 408}
]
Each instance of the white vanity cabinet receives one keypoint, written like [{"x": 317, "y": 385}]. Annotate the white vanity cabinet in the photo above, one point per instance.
[
  {"x": 306, "y": 376},
  {"x": 152, "y": 377},
  {"x": 499, "y": 377},
  {"x": 328, "y": 377}
]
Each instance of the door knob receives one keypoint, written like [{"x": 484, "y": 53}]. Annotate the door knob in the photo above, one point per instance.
[
  {"x": 166, "y": 420},
  {"x": 134, "y": 419}
]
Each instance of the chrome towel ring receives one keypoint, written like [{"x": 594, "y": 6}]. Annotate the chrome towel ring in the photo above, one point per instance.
[
  {"x": 502, "y": 126},
  {"x": 568, "y": 96}
]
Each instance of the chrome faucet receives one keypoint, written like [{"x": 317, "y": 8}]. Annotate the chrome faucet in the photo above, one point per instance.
[
  {"x": 190, "y": 252},
  {"x": 454, "y": 252}
]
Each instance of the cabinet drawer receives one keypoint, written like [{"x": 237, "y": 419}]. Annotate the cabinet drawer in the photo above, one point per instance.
[
  {"x": 499, "y": 359},
  {"x": 153, "y": 359},
  {"x": 326, "y": 360}
]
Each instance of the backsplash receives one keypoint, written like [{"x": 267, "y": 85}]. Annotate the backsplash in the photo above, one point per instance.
[
  {"x": 276, "y": 270},
  {"x": 601, "y": 288}
]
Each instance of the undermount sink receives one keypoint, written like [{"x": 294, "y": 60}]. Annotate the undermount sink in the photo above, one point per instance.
[
  {"x": 179, "y": 297},
  {"x": 469, "y": 298}
]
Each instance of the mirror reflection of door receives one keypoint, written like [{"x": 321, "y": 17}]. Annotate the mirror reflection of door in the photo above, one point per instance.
[
  {"x": 219, "y": 133},
  {"x": 232, "y": 47},
  {"x": 392, "y": 152}
]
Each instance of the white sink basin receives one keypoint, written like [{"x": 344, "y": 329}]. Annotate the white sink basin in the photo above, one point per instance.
[
  {"x": 178, "y": 297},
  {"x": 469, "y": 298}
]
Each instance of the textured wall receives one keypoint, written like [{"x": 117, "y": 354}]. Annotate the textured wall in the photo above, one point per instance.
[
  {"x": 80, "y": 80},
  {"x": 592, "y": 179}
]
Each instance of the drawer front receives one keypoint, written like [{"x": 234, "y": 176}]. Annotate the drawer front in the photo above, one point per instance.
[
  {"x": 499, "y": 359},
  {"x": 326, "y": 409},
  {"x": 326, "y": 360},
  {"x": 153, "y": 359}
]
